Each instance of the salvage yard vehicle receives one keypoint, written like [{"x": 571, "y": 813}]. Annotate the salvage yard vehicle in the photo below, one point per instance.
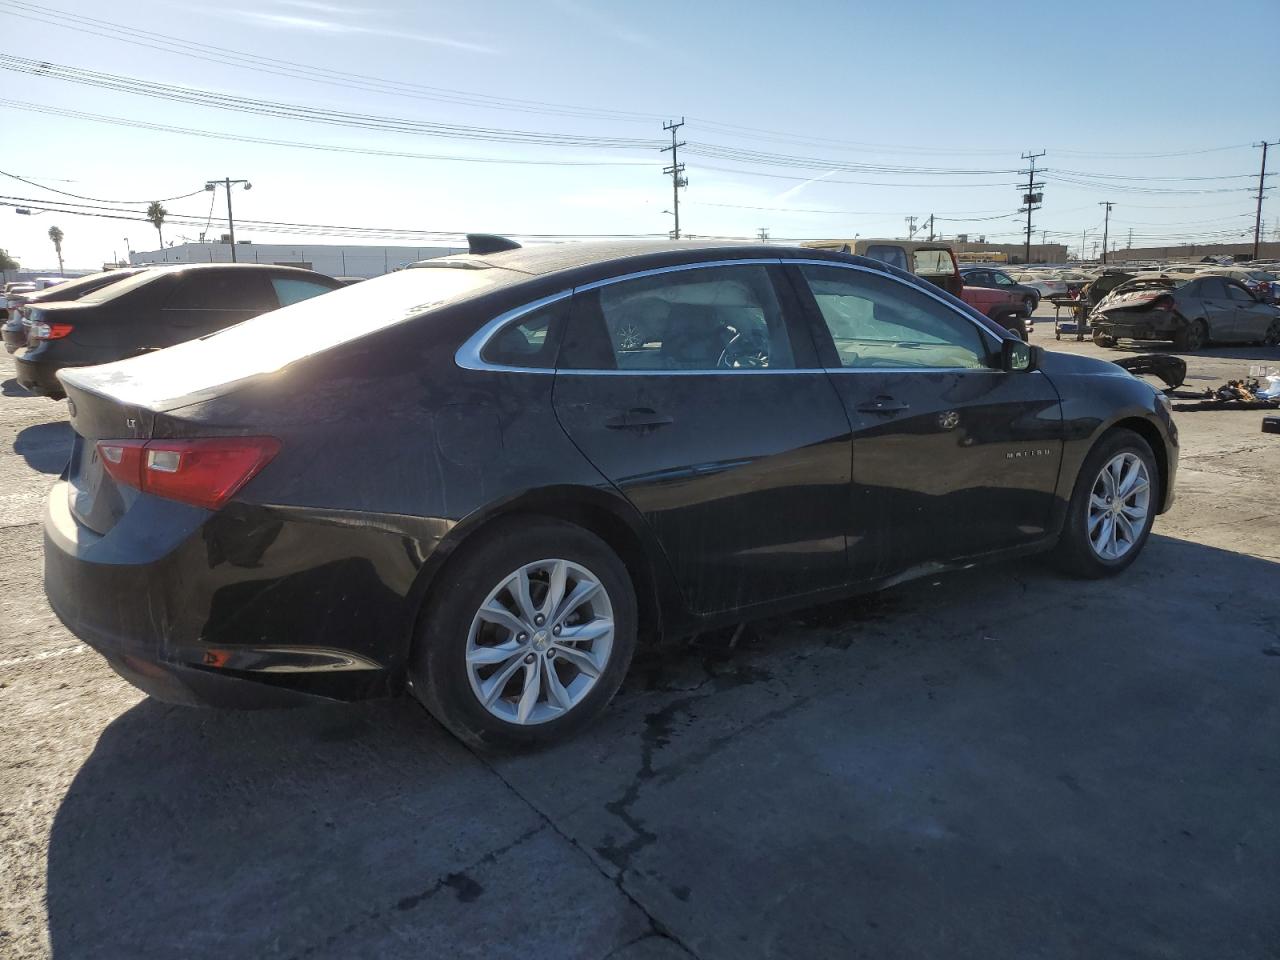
[
  {"x": 453, "y": 480},
  {"x": 14, "y": 330},
  {"x": 1191, "y": 311},
  {"x": 930, "y": 260},
  {"x": 994, "y": 295},
  {"x": 151, "y": 310}
]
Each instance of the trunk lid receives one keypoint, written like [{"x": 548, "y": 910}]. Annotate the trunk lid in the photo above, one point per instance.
[{"x": 97, "y": 501}]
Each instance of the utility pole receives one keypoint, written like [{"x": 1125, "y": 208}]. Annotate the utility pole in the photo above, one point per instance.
[
  {"x": 1131, "y": 239},
  {"x": 231, "y": 223},
  {"x": 1106, "y": 225},
  {"x": 931, "y": 236},
  {"x": 1262, "y": 180},
  {"x": 763, "y": 234},
  {"x": 911, "y": 228},
  {"x": 676, "y": 172},
  {"x": 1031, "y": 199}
]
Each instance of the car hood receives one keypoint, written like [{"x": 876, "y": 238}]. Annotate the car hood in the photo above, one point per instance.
[{"x": 1071, "y": 364}]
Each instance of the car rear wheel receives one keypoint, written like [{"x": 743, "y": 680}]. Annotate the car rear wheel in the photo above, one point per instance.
[
  {"x": 1029, "y": 305},
  {"x": 1112, "y": 509},
  {"x": 1272, "y": 339},
  {"x": 1194, "y": 336},
  {"x": 527, "y": 637}
]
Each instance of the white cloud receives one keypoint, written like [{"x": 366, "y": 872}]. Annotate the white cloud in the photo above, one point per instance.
[{"x": 317, "y": 25}]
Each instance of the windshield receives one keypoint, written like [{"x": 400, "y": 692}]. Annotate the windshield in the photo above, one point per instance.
[{"x": 275, "y": 339}]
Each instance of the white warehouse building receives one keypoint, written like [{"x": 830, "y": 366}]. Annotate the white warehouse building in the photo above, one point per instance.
[{"x": 333, "y": 259}]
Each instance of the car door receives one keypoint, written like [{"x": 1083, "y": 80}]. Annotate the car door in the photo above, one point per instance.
[
  {"x": 1250, "y": 318},
  {"x": 204, "y": 301},
  {"x": 951, "y": 456},
  {"x": 721, "y": 429},
  {"x": 1216, "y": 308}
]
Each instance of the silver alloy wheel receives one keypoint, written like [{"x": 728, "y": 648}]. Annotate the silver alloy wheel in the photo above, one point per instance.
[
  {"x": 1118, "y": 506},
  {"x": 540, "y": 641}
]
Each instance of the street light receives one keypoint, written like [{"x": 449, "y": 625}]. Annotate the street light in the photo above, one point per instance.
[{"x": 227, "y": 182}]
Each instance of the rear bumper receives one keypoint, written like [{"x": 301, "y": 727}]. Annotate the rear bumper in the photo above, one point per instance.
[
  {"x": 14, "y": 336},
  {"x": 149, "y": 602},
  {"x": 39, "y": 378},
  {"x": 1161, "y": 327}
]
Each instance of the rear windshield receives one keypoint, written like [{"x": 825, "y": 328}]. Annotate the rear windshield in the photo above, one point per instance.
[
  {"x": 887, "y": 253},
  {"x": 113, "y": 290},
  {"x": 1151, "y": 283},
  {"x": 931, "y": 263},
  {"x": 83, "y": 286},
  {"x": 273, "y": 340}
]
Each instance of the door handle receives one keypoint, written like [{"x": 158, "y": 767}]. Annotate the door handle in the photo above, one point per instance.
[
  {"x": 637, "y": 418},
  {"x": 883, "y": 405}
]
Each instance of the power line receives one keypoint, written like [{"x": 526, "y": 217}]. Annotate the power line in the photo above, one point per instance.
[{"x": 32, "y": 183}]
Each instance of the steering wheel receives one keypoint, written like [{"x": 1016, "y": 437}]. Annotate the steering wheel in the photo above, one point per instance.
[{"x": 743, "y": 353}]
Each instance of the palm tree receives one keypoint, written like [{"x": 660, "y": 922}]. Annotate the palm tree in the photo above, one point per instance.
[
  {"x": 55, "y": 234},
  {"x": 156, "y": 214}
]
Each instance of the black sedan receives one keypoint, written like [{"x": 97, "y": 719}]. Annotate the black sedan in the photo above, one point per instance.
[
  {"x": 455, "y": 480},
  {"x": 151, "y": 310},
  {"x": 999, "y": 280},
  {"x": 1191, "y": 311},
  {"x": 14, "y": 330}
]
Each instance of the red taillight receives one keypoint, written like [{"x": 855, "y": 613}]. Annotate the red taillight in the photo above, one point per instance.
[
  {"x": 205, "y": 472},
  {"x": 50, "y": 331},
  {"x": 1164, "y": 303}
]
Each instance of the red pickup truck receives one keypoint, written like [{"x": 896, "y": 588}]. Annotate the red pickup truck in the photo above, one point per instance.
[{"x": 1005, "y": 307}]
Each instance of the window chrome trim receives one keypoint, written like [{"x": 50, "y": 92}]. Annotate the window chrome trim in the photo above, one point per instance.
[{"x": 468, "y": 356}]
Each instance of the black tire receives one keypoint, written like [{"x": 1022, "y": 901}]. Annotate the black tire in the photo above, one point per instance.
[
  {"x": 1103, "y": 340},
  {"x": 1194, "y": 336},
  {"x": 1029, "y": 304},
  {"x": 1075, "y": 553},
  {"x": 438, "y": 671},
  {"x": 1272, "y": 339}
]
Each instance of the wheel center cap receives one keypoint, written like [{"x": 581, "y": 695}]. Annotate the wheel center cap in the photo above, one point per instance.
[{"x": 540, "y": 640}]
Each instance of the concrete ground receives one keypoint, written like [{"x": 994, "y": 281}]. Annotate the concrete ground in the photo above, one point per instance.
[{"x": 1000, "y": 763}]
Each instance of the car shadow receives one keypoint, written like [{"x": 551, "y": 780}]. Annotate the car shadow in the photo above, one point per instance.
[
  {"x": 46, "y": 446},
  {"x": 11, "y": 388},
  {"x": 365, "y": 829},
  {"x": 1235, "y": 352}
]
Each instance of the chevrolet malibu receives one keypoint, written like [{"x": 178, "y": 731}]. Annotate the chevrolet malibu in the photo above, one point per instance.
[{"x": 455, "y": 480}]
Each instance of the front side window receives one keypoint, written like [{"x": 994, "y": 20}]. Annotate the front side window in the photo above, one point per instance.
[
  {"x": 1237, "y": 292},
  {"x": 710, "y": 318},
  {"x": 878, "y": 322},
  {"x": 292, "y": 290},
  {"x": 887, "y": 253},
  {"x": 1002, "y": 280}
]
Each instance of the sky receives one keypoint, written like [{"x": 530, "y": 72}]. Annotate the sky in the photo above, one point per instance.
[{"x": 822, "y": 119}]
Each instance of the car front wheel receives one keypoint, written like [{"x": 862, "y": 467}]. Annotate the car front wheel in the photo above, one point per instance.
[
  {"x": 1112, "y": 508},
  {"x": 527, "y": 637}
]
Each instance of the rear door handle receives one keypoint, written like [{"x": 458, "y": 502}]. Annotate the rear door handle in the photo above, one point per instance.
[
  {"x": 883, "y": 405},
  {"x": 637, "y": 418}
]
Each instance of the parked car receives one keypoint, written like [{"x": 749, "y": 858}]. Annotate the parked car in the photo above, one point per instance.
[
  {"x": 14, "y": 329},
  {"x": 1190, "y": 311},
  {"x": 451, "y": 480},
  {"x": 930, "y": 260},
  {"x": 152, "y": 310},
  {"x": 1044, "y": 286},
  {"x": 994, "y": 294},
  {"x": 12, "y": 294}
]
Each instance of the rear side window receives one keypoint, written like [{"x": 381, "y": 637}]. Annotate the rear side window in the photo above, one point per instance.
[
  {"x": 222, "y": 290},
  {"x": 530, "y": 340},
  {"x": 292, "y": 290},
  {"x": 713, "y": 318},
  {"x": 893, "y": 256},
  {"x": 1212, "y": 287}
]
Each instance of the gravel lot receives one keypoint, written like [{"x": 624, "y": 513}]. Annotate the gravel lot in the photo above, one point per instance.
[{"x": 998, "y": 763}]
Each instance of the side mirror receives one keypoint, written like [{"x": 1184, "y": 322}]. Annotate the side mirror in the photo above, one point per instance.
[{"x": 1018, "y": 356}]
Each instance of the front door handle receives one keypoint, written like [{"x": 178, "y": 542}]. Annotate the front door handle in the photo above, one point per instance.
[
  {"x": 883, "y": 405},
  {"x": 637, "y": 418}
]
